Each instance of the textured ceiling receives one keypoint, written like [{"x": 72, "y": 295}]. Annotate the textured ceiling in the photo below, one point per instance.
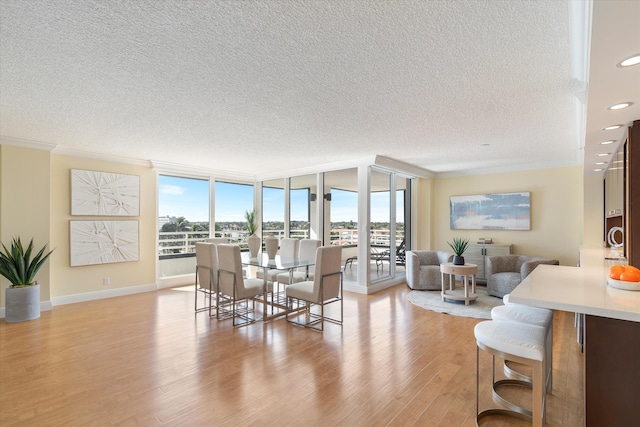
[{"x": 266, "y": 87}]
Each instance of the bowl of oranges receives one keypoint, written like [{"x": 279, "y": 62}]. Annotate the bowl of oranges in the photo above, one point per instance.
[{"x": 624, "y": 277}]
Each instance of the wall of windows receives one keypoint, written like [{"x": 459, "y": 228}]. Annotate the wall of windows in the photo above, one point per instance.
[{"x": 327, "y": 206}]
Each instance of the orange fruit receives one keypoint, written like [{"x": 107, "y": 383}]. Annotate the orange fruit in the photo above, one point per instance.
[
  {"x": 632, "y": 268},
  {"x": 630, "y": 276},
  {"x": 615, "y": 271}
]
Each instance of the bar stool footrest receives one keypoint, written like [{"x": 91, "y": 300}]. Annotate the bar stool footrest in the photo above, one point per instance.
[
  {"x": 512, "y": 373},
  {"x": 501, "y": 412},
  {"x": 512, "y": 406}
]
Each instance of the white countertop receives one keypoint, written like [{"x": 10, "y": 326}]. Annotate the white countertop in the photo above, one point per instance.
[{"x": 579, "y": 289}]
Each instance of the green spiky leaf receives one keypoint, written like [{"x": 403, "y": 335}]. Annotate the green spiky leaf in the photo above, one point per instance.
[
  {"x": 17, "y": 265},
  {"x": 459, "y": 245},
  {"x": 252, "y": 227}
]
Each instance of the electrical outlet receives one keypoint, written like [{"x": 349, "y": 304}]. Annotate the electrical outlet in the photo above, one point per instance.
[{"x": 106, "y": 281}]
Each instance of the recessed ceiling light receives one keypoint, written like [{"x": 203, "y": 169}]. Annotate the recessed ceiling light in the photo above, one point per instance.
[
  {"x": 604, "y": 154},
  {"x": 612, "y": 127},
  {"x": 600, "y": 163},
  {"x": 607, "y": 142},
  {"x": 597, "y": 170},
  {"x": 632, "y": 60},
  {"x": 621, "y": 106}
]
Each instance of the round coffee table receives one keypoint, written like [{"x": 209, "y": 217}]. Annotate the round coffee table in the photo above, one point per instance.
[{"x": 467, "y": 271}]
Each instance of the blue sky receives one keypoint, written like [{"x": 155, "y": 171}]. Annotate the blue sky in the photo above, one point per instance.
[{"x": 190, "y": 198}]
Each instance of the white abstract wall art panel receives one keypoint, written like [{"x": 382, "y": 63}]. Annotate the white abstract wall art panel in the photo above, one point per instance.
[
  {"x": 103, "y": 193},
  {"x": 103, "y": 242}
]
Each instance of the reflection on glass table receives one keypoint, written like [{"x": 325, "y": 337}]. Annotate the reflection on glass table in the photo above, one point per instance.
[{"x": 271, "y": 297}]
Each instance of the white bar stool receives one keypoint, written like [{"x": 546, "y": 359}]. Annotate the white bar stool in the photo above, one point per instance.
[
  {"x": 531, "y": 316},
  {"x": 520, "y": 343}
]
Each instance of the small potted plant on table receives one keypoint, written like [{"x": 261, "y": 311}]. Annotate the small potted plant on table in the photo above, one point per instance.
[{"x": 459, "y": 245}]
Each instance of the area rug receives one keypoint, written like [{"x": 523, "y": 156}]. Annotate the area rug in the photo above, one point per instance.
[{"x": 480, "y": 308}]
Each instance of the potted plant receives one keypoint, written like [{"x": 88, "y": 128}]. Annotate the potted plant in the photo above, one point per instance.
[
  {"x": 459, "y": 245},
  {"x": 22, "y": 298},
  {"x": 253, "y": 240}
]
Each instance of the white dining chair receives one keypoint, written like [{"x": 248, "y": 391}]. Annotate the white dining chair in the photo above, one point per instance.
[
  {"x": 217, "y": 240},
  {"x": 206, "y": 275},
  {"x": 232, "y": 285},
  {"x": 324, "y": 289},
  {"x": 306, "y": 251},
  {"x": 287, "y": 251}
]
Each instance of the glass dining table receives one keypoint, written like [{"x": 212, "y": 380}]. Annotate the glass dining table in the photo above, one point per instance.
[{"x": 275, "y": 300}]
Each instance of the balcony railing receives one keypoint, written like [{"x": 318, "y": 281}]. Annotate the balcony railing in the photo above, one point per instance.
[
  {"x": 184, "y": 242},
  {"x": 177, "y": 243},
  {"x": 177, "y": 249}
]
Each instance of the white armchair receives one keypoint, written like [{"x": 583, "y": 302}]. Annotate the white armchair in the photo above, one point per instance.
[
  {"x": 423, "y": 269},
  {"x": 505, "y": 272}
]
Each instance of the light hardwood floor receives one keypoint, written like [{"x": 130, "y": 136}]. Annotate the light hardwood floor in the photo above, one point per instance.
[{"x": 148, "y": 360}]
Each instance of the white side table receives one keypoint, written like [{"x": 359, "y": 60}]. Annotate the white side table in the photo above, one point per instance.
[{"x": 468, "y": 273}]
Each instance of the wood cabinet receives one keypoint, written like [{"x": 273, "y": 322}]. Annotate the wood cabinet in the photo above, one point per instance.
[
  {"x": 478, "y": 253},
  {"x": 633, "y": 201},
  {"x": 611, "y": 371},
  {"x": 622, "y": 194}
]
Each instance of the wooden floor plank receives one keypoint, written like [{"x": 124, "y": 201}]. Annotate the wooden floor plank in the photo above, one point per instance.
[{"x": 148, "y": 359}]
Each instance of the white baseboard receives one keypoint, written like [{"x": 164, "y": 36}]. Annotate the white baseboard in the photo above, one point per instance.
[
  {"x": 110, "y": 293},
  {"x": 107, "y": 293}
]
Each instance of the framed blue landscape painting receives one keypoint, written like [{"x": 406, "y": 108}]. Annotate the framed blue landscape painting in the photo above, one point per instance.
[{"x": 504, "y": 211}]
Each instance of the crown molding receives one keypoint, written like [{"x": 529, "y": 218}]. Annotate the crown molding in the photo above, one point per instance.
[
  {"x": 506, "y": 169},
  {"x": 327, "y": 167},
  {"x": 200, "y": 172},
  {"x": 400, "y": 166},
  {"x": 64, "y": 151},
  {"x": 26, "y": 143}
]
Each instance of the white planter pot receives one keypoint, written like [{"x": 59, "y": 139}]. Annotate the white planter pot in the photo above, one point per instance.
[
  {"x": 254, "y": 245},
  {"x": 22, "y": 304},
  {"x": 271, "y": 244}
]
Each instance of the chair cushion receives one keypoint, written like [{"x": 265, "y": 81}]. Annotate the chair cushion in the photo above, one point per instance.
[
  {"x": 298, "y": 276},
  {"x": 272, "y": 274},
  {"x": 301, "y": 290},
  {"x": 430, "y": 277},
  {"x": 518, "y": 339},
  {"x": 523, "y": 314},
  {"x": 252, "y": 288}
]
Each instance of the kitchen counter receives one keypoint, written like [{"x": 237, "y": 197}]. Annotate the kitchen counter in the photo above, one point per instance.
[
  {"x": 611, "y": 332},
  {"x": 579, "y": 289}
]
